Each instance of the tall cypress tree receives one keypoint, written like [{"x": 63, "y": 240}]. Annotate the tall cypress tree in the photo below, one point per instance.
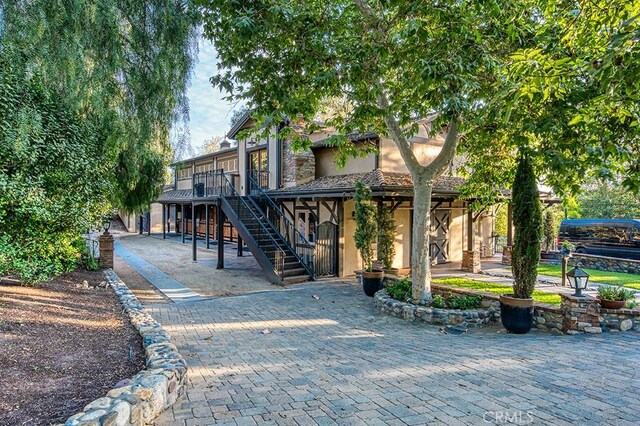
[{"x": 527, "y": 221}]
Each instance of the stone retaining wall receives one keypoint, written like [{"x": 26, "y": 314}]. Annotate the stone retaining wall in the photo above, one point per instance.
[
  {"x": 620, "y": 319},
  {"x": 140, "y": 399},
  {"x": 603, "y": 263}
]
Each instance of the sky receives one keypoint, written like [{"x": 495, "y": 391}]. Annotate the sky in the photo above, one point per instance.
[{"x": 209, "y": 114}]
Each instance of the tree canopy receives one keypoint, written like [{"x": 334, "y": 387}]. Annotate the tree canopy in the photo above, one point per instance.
[{"x": 88, "y": 93}]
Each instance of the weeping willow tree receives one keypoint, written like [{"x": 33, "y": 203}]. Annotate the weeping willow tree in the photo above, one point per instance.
[{"x": 89, "y": 91}]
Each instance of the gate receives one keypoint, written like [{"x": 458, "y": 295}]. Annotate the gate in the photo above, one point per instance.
[
  {"x": 439, "y": 247},
  {"x": 327, "y": 250}
]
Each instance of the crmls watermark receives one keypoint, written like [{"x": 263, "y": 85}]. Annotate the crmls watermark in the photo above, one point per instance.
[{"x": 504, "y": 417}]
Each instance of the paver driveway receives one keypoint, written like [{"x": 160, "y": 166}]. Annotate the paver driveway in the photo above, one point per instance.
[{"x": 287, "y": 358}]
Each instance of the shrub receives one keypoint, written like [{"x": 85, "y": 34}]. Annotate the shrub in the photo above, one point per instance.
[
  {"x": 400, "y": 290},
  {"x": 527, "y": 221},
  {"x": 366, "y": 229},
  {"x": 386, "y": 237},
  {"x": 616, "y": 293},
  {"x": 464, "y": 302},
  {"x": 438, "y": 301}
]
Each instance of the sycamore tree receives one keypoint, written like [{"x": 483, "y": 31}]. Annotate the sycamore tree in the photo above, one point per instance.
[
  {"x": 392, "y": 62},
  {"x": 571, "y": 99}
]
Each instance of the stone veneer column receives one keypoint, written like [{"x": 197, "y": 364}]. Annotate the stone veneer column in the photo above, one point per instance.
[
  {"x": 298, "y": 167},
  {"x": 471, "y": 261},
  {"x": 106, "y": 250},
  {"x": 581, "y": 314}
]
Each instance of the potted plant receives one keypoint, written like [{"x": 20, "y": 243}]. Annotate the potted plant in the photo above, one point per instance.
[
  {"x": 386, "y": 240},
  {"x": 516, "y": 310},
  {"x": 365, "y": 236},
  {"x": 614, "y": 297}
]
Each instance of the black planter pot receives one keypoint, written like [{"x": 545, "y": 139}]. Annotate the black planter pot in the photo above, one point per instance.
[
  {"x": 372, "y": 282},
  {"x": 516, "y": 314}
]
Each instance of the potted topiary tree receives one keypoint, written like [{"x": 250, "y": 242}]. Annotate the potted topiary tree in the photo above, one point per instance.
[
  {"x": 365, "y": 236},
  {"x": 386, "y": 240},
  {"x": 516, "y": 310}
]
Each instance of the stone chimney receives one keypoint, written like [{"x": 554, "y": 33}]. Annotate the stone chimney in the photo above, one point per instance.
[{"x": 298, "y": 166}]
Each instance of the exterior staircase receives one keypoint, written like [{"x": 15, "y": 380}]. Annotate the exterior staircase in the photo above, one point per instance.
[{"x": 285, "y": 260}]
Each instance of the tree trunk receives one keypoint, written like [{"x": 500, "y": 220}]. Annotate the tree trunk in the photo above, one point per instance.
[{"x": 420, "y": 258}]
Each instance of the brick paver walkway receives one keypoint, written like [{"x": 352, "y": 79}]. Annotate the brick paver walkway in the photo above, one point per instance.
[{"x": 287, "y": 358}]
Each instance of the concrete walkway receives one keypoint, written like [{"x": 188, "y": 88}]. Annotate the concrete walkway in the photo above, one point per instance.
[
  {"x": 171, "y": 288},
  {"x": 319, "y": 354}
]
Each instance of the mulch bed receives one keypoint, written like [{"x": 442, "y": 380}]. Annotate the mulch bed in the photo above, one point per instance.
[{"x": 61, "y": 347}]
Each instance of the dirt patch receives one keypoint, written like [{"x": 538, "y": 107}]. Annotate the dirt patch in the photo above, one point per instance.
[{"x": 61, "y": 347}]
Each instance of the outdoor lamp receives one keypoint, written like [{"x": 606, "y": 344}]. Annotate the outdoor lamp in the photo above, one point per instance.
[
  {"x": 578, "y": 279},
  {"x": 106, "y": 225}
]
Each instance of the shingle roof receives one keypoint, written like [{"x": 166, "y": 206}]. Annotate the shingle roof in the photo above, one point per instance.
[
  {"x": 176, "y": 195},
  {"x": 377, "y": 180}
]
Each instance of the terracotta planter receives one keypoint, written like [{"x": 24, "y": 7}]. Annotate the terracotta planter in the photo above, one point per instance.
[
  {"x": 516, "y": 314},
  {"x": 612, "y": 304},
  {"x": 372, "y": 282}
]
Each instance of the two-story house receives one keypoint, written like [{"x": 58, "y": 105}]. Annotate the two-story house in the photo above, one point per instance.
[{"x": 295, "y": 210}]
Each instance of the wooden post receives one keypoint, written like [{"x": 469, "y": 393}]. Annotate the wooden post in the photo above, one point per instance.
[
  {"x": 194, "y": 241},
  {"x": 182, "y": 221},
  {"x": 220, "y": 239},
  {"x": 140, "y": 223},
  {"x": 470, "y": 233},
  {"x": 565, "y": 261},
  {"x": 240, "y": 246},
  {"x": 164, "y": 222},
  {"x": 149, "y": 222},
  {"x": 206, "y": 228}
]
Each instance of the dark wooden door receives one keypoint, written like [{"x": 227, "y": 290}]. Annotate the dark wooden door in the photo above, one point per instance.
[
  {"x": 439, "y": 244},
  {"x": 327, "y": 250}
]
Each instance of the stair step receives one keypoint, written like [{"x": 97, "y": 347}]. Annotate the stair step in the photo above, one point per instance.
[
  {"x": 294, "y": 272},
  {"x": 295, "y": 279}
]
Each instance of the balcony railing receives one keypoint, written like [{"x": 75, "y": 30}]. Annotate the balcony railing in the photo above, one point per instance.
[{"x": 213, "y": 183}]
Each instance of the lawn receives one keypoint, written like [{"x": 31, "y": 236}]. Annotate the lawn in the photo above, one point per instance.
[
  {"x": 538, "y": 296},
  {"x": 600, "y": 277}
]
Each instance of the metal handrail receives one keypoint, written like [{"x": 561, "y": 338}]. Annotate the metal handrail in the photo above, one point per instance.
[
  {"x": 279, "y": 268},
  {"x": 299, "y": 241}
]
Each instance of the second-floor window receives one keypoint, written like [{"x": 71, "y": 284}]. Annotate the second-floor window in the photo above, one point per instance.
[
  {"x": 204, "y": 168},
  {"x": 230, "y": 165},
  {"x": 184, "y": 173}
]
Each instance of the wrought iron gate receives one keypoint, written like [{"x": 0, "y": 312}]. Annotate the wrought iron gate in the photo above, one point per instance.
[
  {"x": 327, "y": 250},
  {"x": 439, "y": 247}
]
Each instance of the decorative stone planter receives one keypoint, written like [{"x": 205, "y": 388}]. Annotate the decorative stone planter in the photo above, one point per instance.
[{"x": 437, "y": 316}]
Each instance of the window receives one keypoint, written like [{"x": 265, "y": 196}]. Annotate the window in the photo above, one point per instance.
[
  {"x": 204, "y": 168},
  {"x": 184, "y": 172},
  {"x": 230, "y": 165}
]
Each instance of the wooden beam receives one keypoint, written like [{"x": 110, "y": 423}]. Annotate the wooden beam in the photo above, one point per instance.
[
  {"x": 395, "y": 205},
  {"x": 194, "y": 240},
  {"x": 334, "y": 217},
  {"x": 479, "y": 213},
  {"x": 164, "y": 222},
  {"x": 220, "y": 239},
  {"x": 206, "y": 228},
  {"x": 240, "y": 244},
  {"x": 438, "y": 204},
  {"x": 182, "y": 221},
  {"x": 470, "y": 233}
]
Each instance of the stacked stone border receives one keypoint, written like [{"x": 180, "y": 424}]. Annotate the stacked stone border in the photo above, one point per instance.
[
  {"x": 140, "y": 399},
  {"x": 575, "y": 315},
  {"x": 604, "y": 263}
]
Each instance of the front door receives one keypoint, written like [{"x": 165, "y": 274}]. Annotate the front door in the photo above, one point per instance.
[{"x": 439, "y": 244}]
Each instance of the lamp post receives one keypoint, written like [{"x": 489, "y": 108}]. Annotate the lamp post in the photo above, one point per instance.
[
  {"x": 106, "y": 225},
  {"x": 578, "y": 279}
]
